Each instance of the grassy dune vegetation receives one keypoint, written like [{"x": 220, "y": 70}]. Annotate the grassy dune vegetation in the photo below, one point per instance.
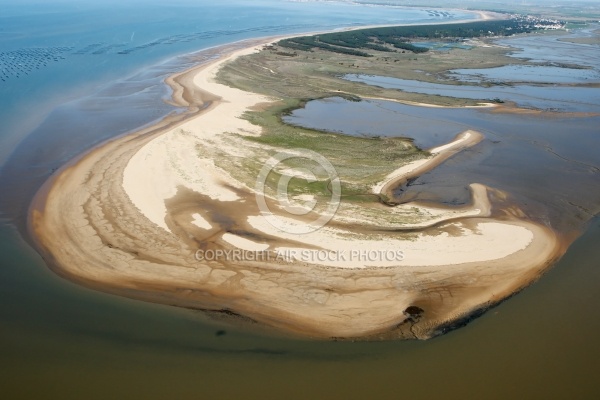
[
  {"x": 297, "y": 75},
  {"x": 305, "y": 74}
]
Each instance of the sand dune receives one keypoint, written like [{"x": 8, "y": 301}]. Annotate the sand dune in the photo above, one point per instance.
[{"x": 131, "y": 216}]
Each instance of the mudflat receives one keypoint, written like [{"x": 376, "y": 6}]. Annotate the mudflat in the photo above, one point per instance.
[{"x": 169, "y": 215}]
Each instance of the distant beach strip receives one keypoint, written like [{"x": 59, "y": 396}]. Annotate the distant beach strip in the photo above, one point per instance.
[{"x": 132, "y": 216}]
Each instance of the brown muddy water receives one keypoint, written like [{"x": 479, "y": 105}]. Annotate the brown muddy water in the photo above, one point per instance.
[{"x": 62, "y": 341}]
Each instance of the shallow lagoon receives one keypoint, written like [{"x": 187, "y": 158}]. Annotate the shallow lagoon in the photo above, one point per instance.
[
  {"x": 579, "y": 99},
  {"x": 551, "y": 59},
  {"x": 552, "y": 48},
  {"x": 63, "y": 341},
  {"x": 549, "y": 165},
  {"x": 527, "y": 73},
  {"x": 552, "y": 63}
]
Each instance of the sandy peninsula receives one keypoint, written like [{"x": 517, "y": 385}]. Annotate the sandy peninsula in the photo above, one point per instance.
[{"x": 156, "y": 215}]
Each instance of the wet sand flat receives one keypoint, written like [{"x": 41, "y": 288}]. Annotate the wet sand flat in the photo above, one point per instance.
[{"x": 130, "y": 217}]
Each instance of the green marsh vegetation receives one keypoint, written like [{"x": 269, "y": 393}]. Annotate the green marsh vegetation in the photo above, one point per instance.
[{"x": 294, "y": 72}]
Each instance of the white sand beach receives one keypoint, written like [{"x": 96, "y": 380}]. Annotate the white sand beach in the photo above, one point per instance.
[{"x": 129, "y": 216}]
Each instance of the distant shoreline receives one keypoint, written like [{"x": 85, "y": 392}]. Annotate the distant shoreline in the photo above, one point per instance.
[{"x": 119, "y": 219}]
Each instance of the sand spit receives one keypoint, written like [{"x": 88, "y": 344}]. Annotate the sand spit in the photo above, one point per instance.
[
  {"x": 152, "y": 216},
  {"x": 419, "y": 167}
]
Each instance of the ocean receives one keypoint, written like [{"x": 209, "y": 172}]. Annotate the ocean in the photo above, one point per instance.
[
  {"x": 75, "y": 73},
  {"x": 52, "y": 53}
]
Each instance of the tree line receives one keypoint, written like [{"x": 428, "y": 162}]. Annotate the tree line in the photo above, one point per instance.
[{"x": 390, "y": 39}]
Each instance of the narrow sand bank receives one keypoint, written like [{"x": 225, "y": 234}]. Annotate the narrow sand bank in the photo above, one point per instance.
[
  {"x": 146, "y": 215},
  {"x": 438, "y": 155}
]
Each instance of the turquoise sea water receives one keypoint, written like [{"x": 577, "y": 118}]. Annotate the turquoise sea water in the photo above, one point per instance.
[{"x": 62, "y": 341}]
